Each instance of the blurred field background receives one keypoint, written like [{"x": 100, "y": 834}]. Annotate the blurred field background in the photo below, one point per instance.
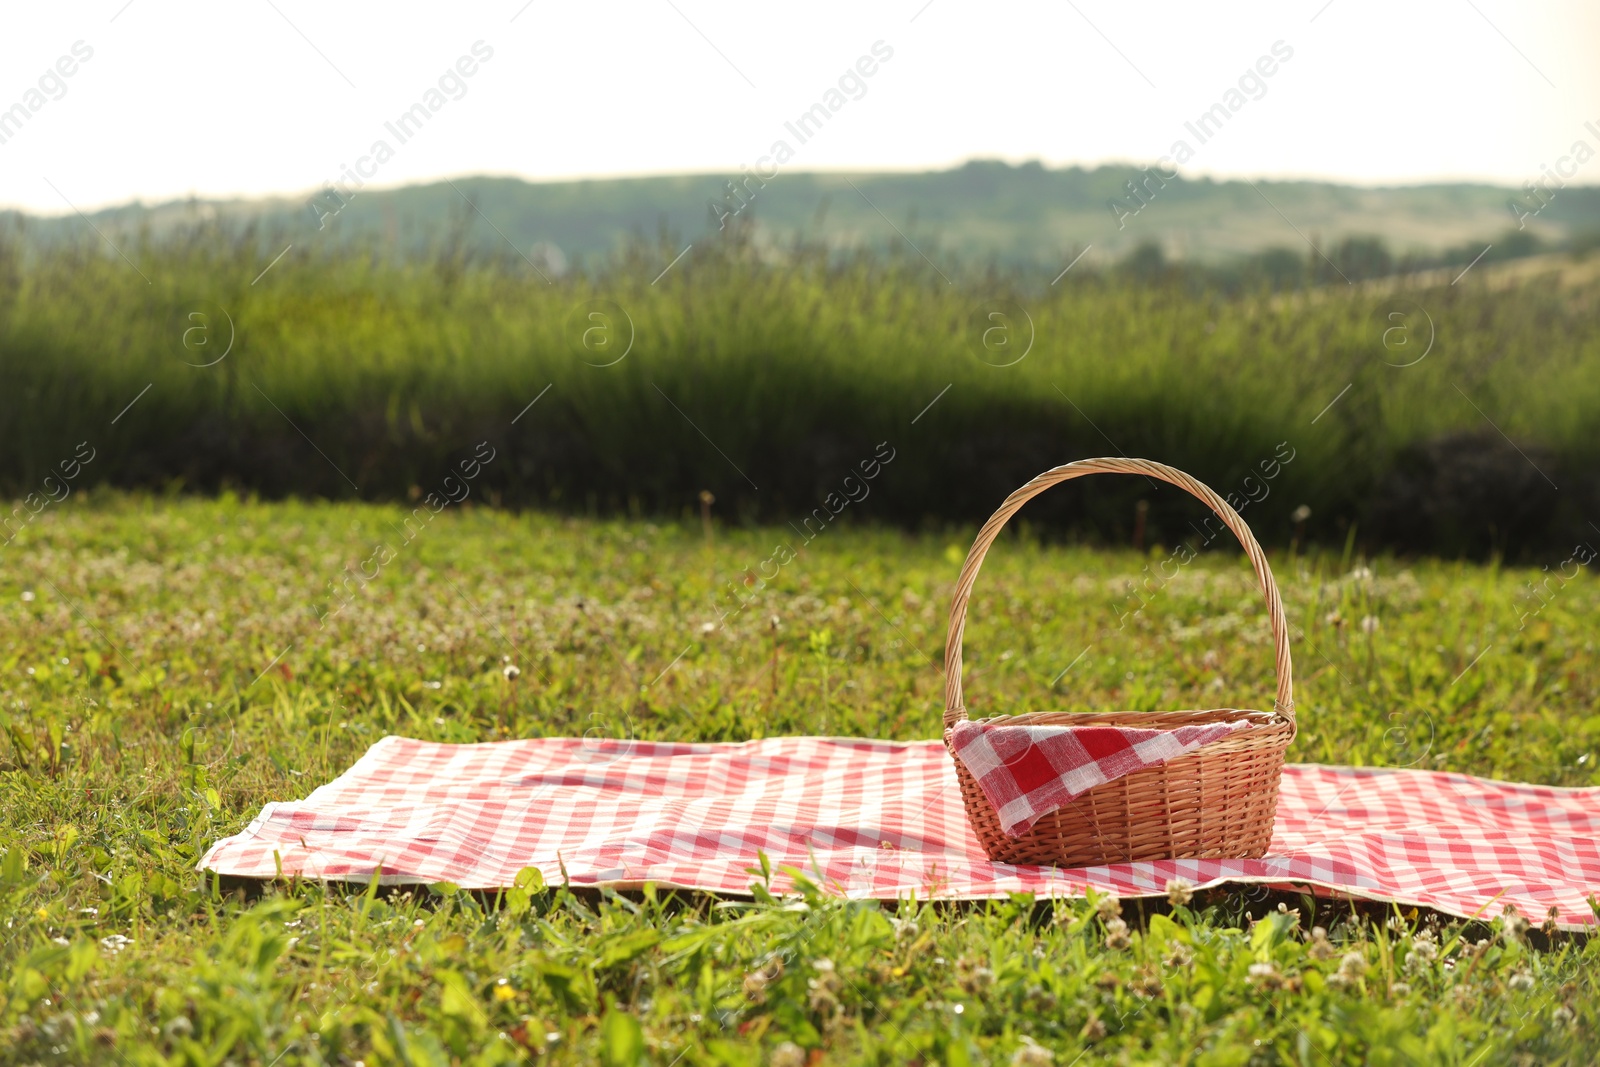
[
  {"x": 1426, "y": 409},
  {"x": 1024, "y": 215}
]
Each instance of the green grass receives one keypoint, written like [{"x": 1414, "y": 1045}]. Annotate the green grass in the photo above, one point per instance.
[
  {"x": 762, "y": 375},
  {"x": 139, "y": 727}
]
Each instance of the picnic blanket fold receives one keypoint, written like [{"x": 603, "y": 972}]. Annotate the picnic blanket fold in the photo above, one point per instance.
[
  {"x": 883, "y": 820},
  {"x": 1028, "y": 771}
]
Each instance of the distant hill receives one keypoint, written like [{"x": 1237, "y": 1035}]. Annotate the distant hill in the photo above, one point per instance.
[{"x": 984, "y": 210}]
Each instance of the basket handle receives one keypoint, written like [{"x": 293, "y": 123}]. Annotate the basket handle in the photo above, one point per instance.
[{"x": 955, "y": 709}]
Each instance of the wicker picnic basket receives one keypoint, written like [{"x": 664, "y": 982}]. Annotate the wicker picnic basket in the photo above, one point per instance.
[{"x": 1217, "y": 801}]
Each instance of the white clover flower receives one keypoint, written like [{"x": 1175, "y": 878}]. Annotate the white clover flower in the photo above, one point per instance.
[
  {"x": 788, "y": 1054},
  {"x": 1351, "y": 968},
  {"x": 1265, "y": 975},
  {"x": 1032, "y": 1054}
]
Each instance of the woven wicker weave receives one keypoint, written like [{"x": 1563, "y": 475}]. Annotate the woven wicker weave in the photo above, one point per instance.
[{"x": 1217, "y": 801}]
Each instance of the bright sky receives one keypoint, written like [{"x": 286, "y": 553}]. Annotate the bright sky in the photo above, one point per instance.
[{"x": 276, "y": 96}]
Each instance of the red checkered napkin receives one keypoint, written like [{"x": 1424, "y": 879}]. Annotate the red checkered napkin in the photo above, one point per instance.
[{"x": 1029, "y": 771}]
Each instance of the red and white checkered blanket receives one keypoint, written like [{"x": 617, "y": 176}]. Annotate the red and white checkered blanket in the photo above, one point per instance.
[
  {"x": 877, "y": 819},
  {"x": 1030, "y": 771}
]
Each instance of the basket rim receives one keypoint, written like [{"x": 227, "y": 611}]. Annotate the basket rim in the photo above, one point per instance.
[
  {"x": 1269, "y": 731},
  {"x": 1087, "y": 718},
  {"x": 955, "y": 709}
]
